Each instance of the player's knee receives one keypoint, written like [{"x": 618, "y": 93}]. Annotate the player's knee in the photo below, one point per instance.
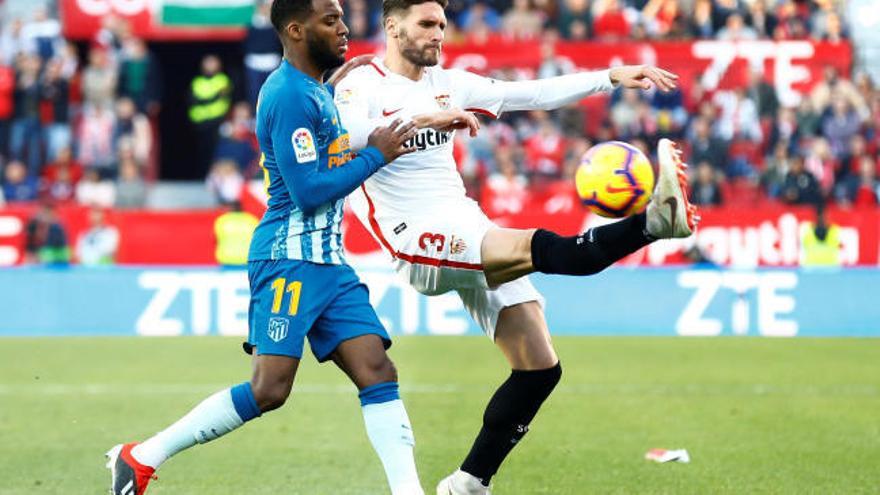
[
  {"x": 378, "y": 371},
  {"x": 270, "y": 396}
]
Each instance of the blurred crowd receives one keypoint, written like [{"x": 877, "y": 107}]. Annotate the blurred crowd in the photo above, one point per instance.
[{"x": 78, "y": 123}]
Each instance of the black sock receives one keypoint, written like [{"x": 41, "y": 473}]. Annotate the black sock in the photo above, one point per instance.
[
  {"x": 590, "y": 252},
  {"x": 507, "y": 418}
]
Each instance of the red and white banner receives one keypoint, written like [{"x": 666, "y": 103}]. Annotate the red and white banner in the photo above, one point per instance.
[
  {"x": 793, "y": 66},
  {"x": 764, "y": 236}
]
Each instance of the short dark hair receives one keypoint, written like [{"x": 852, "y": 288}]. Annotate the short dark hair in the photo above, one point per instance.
[
  {"x": 392, "y": 6},
  {"x": 285, "y": 10}
]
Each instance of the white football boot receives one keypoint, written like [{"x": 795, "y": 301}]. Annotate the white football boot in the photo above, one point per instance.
[
  {"x": 461, "y": 483},
  {"x": 669, "y": 213}
]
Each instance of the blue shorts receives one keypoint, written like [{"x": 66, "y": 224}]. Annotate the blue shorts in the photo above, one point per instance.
[{"x": 292, "y": 299}]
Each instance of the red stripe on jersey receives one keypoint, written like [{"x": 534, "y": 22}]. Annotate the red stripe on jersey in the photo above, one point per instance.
[
  {"x": 414, "y": 259},
  {"x": 482, "y": 111},
  {"x": 377, "y": 69}
]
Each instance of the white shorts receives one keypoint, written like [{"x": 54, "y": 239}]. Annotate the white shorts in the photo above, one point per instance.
[{"x": 439, "y": 253}]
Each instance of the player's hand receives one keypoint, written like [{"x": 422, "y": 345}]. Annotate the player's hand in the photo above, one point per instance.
[
  {"x": 390, "y": 140},
  {"x": 347, "y": 67},
  {"x": 449, "y": 120},
  {"x": 643, "y": 76}
]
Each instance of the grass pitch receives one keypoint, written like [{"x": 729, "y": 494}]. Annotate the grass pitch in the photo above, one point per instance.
[{"x": 757, "y": 416}]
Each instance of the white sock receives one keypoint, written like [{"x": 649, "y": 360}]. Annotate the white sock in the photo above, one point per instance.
[
  {"x": 212, "y": 418},
  {"x": 392, "y": 437}
]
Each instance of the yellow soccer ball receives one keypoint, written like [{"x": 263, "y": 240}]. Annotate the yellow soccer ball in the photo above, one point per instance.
[{"x": 615, "y": 179}]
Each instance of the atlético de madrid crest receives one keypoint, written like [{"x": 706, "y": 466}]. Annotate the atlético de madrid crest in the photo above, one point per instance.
[{"x": 278, "y": 328}]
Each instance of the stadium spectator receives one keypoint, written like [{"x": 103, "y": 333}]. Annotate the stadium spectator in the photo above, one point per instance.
[
  {"x": 44, "y": 33},
  {"x": 93, "y": 190},
  {"x": 97, "y": 149},
  {"x": 701, "y": 25},
  {"x": 760, "y": 19},
  {"x": 24, "y": 139},
  {"x": 131, "y": 190},
  {"x": 232, "y": 232},
  {"x": 705, "y": 147},
  {"x": 831, "y": 86},
  {"x": 809, "y": 118},
  {"x": 840, "y": 126},
  {"x": 705, "y": 189},
  {"x": 786, "y": 129},
  {"x": 99, "y": 79},
  {"x": 763, "y": 94},
  {"x": 225, "y": 181},
  {"x": 55, "y": 109},
  {"x": 522, "y": 21},
  {"x": 609, "y": 21},
  {"x": 800, "y": 186},
  {"x": 238, "y": 141},
  {"x": 132, "y": 129},
  {"x": 507, "y": 188},
  {"x": 624, "y": 114},
  {"x": 478, "y": 16},
  {"x": 210, "y": 99},
  {"x": 735, "y": 29},
  {"x": 545, "y": 151},
  {"x": 772, "y": 178},
  {"x": 821, "y": 164},
  {"x": 139, "y": 76},
  {"x": 573, "y": 19},
  {"x": 551, "y": 65},
  {"x": 60, "y": 178},
  {"x": 862, "y": 189},
  {"x": 18, "y": 185},
  {"x": 98, "y": 245},
  {"x": 262, "y": 49},
  {"x": 14, "y": 43},
  {"x": 46, "y": 238},
  {"x": 739, "y": 116}
]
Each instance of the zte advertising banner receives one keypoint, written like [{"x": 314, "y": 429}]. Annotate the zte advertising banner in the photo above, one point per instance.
[{"x": 644, "y": 301}]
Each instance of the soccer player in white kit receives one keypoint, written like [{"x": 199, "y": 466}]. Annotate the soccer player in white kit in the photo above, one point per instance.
[{"x": 440, "y": 240}]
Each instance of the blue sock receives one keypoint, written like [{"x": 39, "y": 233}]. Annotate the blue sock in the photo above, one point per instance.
[
  {"x": 379, "y": 393},
  {"x": 244, "y": 402}
]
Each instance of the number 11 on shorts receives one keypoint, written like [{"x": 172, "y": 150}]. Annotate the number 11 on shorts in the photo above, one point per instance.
[{"x": 280, "y": 286}]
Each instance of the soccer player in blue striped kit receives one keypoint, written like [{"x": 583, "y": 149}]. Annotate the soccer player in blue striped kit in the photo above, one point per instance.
[{"x": 300, "y": 283}]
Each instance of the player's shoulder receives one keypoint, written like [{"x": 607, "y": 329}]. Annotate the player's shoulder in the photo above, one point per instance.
[{"x": 366, "y": 75}]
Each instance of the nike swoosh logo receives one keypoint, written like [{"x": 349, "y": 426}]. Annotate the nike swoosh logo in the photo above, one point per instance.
[
  {"x": 673, "y": 208},
  {"x": 386, "y": 113}
]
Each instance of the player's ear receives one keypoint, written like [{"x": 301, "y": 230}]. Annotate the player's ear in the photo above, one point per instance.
[
  {"x": 296, "y": 31},
  {"x": 391, "y": 26}
]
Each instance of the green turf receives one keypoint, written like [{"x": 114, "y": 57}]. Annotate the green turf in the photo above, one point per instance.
[{"x": 757, "y": 416}]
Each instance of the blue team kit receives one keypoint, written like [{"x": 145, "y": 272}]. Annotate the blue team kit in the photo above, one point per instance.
[{"x": 300, "y": 283}]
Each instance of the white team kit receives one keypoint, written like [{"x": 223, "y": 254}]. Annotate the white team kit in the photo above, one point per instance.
[{"x": 416, "y": 207}]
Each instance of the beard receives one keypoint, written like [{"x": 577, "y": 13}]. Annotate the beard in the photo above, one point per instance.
[
  {"x": 324, "y": 55},
  {"x": 424, "y": 57}
]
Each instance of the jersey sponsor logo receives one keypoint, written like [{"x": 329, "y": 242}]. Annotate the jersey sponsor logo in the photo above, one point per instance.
[
  {"x": 304, "y": 145},
  {"x": 278, "y": 328},
  {"x": 428, "y": 138},
  {"x": 443, "y": 101},
  {"x": 386, "y": 113},
  {"x": 339, "y": 151}
]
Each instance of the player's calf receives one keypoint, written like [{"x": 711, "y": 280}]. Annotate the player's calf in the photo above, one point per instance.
[{"x": 507, "y": 419}]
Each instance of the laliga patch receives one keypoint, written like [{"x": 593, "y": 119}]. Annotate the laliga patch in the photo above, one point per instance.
[
  {"x": 304, "y": 145},
  {"x": 344, "y": 97}
]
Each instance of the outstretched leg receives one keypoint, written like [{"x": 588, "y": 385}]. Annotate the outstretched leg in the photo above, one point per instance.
[{"x": 508, "y": 254}]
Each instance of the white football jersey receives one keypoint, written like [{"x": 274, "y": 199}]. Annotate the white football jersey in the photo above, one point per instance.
[{"x": 419, "y": 182}]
